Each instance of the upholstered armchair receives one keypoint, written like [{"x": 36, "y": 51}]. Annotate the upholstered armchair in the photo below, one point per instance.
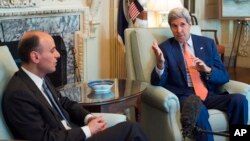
[
  {"x": 160, "y": 116},
  {"x": 7, "y": 68}
]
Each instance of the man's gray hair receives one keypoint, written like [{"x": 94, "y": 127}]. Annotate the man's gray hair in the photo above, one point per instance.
[{"x": 179, "y": 12}]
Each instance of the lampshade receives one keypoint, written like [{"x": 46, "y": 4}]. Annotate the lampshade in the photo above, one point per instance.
[
  {"x": 158, "y": 11},
  {"x": 163, "y": 5}
]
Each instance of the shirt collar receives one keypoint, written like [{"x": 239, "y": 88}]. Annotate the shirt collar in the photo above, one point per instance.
[
  {"x": 37, "y": 80},
  {"x": 189, "y": 42}
]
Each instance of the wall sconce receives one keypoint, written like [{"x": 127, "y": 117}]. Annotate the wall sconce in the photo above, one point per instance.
[{"x": 158, "y": 11}]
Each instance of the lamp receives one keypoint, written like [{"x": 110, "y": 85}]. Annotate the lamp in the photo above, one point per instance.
[{"x": 158, "y": 11}]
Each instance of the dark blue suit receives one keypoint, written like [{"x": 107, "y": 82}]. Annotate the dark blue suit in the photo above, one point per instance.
[{"x": 174, "y": 79}]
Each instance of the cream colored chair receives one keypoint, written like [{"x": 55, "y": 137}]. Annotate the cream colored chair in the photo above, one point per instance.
[
  {"x": 7, "y": 68},
  {"x": 160, "y": 108}
]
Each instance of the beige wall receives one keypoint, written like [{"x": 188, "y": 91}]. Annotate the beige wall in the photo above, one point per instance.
[
  {"x": 98, "y": 60},
  {"x": 226, "y": 29},
  {"x": 105, "y": 40}
]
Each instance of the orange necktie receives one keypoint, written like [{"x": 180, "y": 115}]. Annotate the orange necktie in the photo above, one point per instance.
[{"x": 199, "y": 87}]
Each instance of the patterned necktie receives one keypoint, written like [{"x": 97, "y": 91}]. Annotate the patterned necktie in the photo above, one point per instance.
[
  {"x": 53, "y": 102},
  {"x": 199, "y": 87}
]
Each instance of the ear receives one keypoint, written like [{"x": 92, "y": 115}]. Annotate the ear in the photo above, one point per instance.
[{"x": 34, "y": 57}]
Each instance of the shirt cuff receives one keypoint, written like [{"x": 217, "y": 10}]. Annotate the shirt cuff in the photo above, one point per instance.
[
  {"x": 86, "y": 131},
  {"x": 208, "y": 75},
  {"x": 87, "y": 118},
  {"x": 159, "y": 71}
]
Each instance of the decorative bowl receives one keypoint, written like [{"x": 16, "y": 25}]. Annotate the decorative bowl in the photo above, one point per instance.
[{"x": 101, "y": 86}]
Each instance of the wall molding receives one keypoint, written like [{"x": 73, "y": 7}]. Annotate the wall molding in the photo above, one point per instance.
[
  {"x": 16, "y": 3},
  {"x": 32, "y": 3},
  {"x": 29, "y": 12}
]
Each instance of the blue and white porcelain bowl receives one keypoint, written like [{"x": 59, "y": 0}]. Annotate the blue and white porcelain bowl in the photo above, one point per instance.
[{"x": 101, "y": 86}]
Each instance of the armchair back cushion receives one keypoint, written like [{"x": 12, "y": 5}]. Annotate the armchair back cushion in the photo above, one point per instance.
[{"x": 7, "y": 68}]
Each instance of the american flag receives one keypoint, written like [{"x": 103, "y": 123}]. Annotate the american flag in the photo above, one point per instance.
[{"x": 135, "y": 9}]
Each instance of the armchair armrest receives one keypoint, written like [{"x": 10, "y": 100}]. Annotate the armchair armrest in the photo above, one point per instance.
[
  {"x": 162, "y": 106},
  {"x": 161, "y": 98},
  {"x": 236, "y": 87},
  {"x": 112, "y": 119}
]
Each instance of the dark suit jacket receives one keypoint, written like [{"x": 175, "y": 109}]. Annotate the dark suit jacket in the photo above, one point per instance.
[
  {"x": 174, "y": 77},
  {"x": 30, "y": 117}
]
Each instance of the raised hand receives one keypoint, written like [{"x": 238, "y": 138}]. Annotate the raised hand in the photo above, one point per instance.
[{"x": 159, "y": 55}]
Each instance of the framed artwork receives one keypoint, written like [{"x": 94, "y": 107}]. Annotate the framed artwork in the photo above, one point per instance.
[{"x": 234, "y": 9}]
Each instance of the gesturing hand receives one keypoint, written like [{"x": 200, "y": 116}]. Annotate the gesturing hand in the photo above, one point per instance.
[
  {"x": 159, "y": 55},
  {"x": 200, "y": 65},
  {"x": 97, "y": 125}
]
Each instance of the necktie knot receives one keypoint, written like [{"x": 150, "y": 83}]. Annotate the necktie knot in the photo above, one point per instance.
[{"x": 185, "y": 44}]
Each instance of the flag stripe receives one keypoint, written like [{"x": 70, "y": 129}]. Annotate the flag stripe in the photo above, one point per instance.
[{"x": 133, "y": 11}]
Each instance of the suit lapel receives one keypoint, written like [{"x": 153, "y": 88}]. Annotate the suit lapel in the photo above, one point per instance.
[
  {"x": 199, "y": 47},
  {"x": 177, "y": 53},
  {"x": 36, "y": 91}
]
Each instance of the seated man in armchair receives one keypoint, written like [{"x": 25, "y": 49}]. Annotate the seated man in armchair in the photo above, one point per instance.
[
  {"x": 188, "y": 64},
  {"x": 34, "y": 110}
]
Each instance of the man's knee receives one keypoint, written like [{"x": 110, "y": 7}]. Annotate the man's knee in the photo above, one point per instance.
[
  {"x": 133, "y": 130},
  {"x": 238, "y": 98},
  {"x": 128, "y": 124}
]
